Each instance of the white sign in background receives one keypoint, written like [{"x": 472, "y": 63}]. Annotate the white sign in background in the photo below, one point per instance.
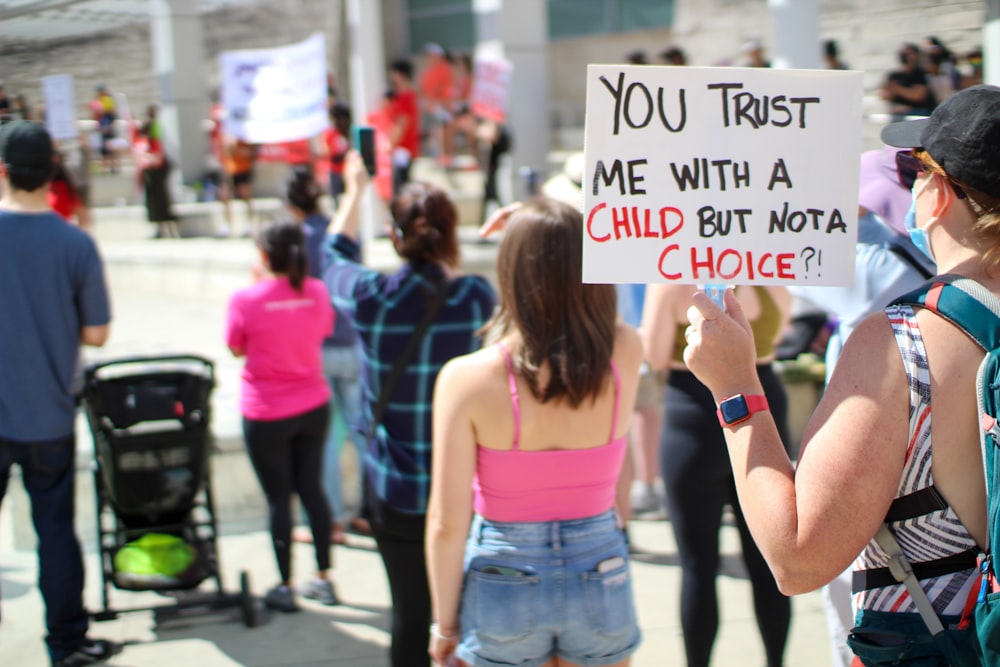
[
  {"x": 275, "y": 95},
  {"x": 491, "y": 88},
  {"x": 721, "y": 175},
  {"x": 60, "y": 106}
]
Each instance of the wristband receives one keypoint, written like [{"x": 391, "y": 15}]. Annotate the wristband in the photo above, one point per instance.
[
  {"x": 739, "y": 408},
  {"x": 437, "y": 634}
]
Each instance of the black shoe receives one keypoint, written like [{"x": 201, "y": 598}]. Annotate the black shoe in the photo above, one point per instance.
[
  {"x": 91, "y": 652},
  {"x": 281, "y": 598}
]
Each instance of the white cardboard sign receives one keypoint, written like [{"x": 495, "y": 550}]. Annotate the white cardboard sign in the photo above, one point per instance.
[
  {"x": 721, "y": 175},
  {"x": 60, "y": 106},
  {"x": 275, "y": 95}
]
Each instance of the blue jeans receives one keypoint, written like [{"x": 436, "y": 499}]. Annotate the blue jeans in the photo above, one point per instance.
[
  {"x": 47, "y": 471},
  {"x": 342, "y": 367},
  {"x": 534, "y": 590}
]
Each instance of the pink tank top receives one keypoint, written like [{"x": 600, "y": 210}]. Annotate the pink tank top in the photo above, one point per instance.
[{"x": 550, "y": 485}]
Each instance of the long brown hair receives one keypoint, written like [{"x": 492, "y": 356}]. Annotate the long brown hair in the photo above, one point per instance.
[{"x": 565, "y": 325}]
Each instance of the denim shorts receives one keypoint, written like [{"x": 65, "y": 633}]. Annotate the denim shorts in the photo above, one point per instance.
[{"x": 542, "y": 589}]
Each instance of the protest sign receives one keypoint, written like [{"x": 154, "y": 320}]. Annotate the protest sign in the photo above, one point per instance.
[
  {"x": 721, "y": 175},
  {"x": 490, "y": 87},
  {"x": 275, "y": 95},
  {"x": 60, "y": 106}
]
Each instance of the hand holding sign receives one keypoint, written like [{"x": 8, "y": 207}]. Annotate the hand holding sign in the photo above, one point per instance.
[{"x": 720, "y": 346}]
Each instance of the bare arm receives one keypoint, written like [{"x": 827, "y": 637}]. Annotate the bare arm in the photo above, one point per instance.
[
  {"x": 84, "y": 218},
  {"x": 449, "y": 511},
  {"x": 95, "y": 336},
  {"x": 810, "y": 522},
  {"x": 398, "y": 130},
  {"x": 348, "y": 216},
  {"x": 659, "y": 323}
]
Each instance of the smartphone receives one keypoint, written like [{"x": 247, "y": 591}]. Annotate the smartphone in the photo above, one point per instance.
[
  {"x": 364, "y": 142},
  {"x": 610, "y": 564},
  {"x": 502, "y": 570}
]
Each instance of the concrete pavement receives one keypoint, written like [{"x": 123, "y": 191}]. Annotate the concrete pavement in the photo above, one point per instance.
[{"x": 169, "y": 297}]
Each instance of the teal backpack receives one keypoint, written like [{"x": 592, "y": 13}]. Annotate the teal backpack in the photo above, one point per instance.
[{"x": 975, "y": 310}]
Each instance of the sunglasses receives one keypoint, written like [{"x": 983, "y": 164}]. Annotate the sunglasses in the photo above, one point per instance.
[{"x": 909, "y": 168}]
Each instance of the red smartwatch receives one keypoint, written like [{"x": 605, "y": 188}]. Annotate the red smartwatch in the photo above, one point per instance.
[{"x": 739, "y": 408}]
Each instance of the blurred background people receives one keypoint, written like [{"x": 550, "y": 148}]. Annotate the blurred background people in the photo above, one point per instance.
[
  {"x": 906, "y": 89},
  {"x": 697, "y": 474},
  {"x": 238, "y": 158},
  {"x": 66, "y": 199},
  {"x": 831, "y": 55},
  {"x": 154, "y": 171}
]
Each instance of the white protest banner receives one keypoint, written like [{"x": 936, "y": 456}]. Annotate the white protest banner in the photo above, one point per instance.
[
  {"x": 60, "y": 106},
  {"x": 274, "y": 95},
  {"x": 490, "y": 86},
  {"x": 721, "y": 175}
]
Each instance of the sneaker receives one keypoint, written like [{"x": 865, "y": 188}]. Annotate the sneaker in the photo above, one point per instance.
[
  {"x": 320, "y": 590},
  {"x": 90, "y": 652},
  {"x": 281, "y": 598},
  {"x": 644, "y": 499}
]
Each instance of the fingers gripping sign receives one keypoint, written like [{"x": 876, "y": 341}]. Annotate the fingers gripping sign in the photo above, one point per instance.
[{"x": 720, "y": 347}]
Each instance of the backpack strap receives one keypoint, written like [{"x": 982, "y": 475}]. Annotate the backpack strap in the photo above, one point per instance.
[
  {"x": 963, "y": 302},
  {"x": 902, "y": 572},
  {"x": 976, "y": 311}
]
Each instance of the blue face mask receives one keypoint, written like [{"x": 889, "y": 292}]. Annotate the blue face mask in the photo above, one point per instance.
[{"x": 917, "y": 236}]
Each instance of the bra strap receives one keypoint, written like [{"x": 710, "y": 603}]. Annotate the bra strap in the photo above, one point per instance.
[
  {"x": 618, "y": 387},
  {"x": 514, "y": 399}
]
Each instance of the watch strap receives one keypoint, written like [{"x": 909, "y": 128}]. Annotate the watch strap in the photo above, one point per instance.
[{"x": 754, "y": 402}]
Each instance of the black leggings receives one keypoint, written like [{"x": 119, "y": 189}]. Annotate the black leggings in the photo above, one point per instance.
[
  {"x": 400, "y": 540},
  {"x": 287, "y": 455},
  {"x": 699, "y": 482}
]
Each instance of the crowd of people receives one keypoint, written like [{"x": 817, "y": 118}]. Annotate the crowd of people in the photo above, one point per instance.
[{"x": 498, "y": 430}]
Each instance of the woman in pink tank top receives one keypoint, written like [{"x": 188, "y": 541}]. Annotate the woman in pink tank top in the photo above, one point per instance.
[{"x": 528, "y": 441}]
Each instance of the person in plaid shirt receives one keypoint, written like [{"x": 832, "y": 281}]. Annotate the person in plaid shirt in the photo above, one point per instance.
[{"x": 386, "y": 308}]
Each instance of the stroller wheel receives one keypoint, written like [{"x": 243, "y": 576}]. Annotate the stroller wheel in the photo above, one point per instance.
[{"x": 251, "y": 615}]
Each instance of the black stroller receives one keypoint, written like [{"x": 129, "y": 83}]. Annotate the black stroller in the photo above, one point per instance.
[{"x": 150, "y": 420}]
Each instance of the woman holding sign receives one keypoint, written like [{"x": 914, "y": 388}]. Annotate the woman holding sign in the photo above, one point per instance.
[
  {"x": 696, "y": 471},
  {"x": 898, "y": 421},
  {"x": 535, "y": 425}
]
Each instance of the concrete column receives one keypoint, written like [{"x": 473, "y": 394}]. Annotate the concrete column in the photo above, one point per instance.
[
  {"x": 796, "y": 34},
  {"x": 519, "y": 29},
  {"x": 991, "y": 43},
  {"x": 179, "y": 67},
  {"x": 367, "y": 65}
]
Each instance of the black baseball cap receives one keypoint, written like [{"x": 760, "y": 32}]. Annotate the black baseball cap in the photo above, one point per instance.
[
  {"x": 962, "y": 135},
  {"x": 25, "y": 144}
]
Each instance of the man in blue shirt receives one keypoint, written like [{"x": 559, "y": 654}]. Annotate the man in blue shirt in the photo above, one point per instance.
[{"x": 52, "y": 299}]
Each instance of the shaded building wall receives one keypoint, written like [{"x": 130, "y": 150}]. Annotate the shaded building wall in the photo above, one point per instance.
[{"x": 710, "y": 31}]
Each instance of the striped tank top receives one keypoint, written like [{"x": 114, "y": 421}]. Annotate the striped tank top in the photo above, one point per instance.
[{"x": 930, "y": 536}]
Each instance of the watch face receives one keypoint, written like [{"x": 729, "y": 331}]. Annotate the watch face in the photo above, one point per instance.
[{"x": 734, "y": 409}]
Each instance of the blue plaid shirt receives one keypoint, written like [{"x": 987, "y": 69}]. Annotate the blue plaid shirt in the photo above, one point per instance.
[{"x": 385, "y": 310}]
